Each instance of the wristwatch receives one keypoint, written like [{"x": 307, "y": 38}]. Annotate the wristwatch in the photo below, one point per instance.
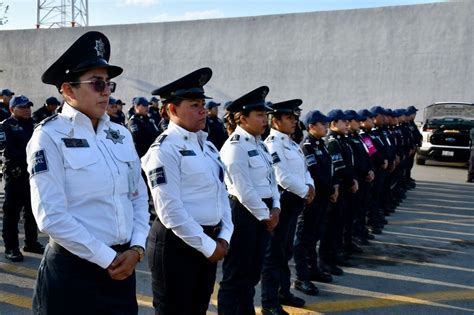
[{"x": 140, "y": 250}]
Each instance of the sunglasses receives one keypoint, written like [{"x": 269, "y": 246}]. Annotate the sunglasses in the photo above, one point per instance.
[{"x": 99, "y": 85}]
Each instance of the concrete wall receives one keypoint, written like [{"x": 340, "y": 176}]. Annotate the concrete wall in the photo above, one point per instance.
[{"x": 393, "y": 56}]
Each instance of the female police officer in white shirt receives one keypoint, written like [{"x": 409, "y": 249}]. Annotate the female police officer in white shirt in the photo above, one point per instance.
[
  {"x": 194, "y": 225},
  {"x": 297, "y": 188},
  {"x": 87, "y": 192},
  {"x": 255, "y": 202}
]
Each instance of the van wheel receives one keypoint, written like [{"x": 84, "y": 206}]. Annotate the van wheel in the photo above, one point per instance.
[{"x": 420, "y": 161}]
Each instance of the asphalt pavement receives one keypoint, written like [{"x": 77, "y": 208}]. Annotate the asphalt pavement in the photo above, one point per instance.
[{"x": 423, "y": 263}]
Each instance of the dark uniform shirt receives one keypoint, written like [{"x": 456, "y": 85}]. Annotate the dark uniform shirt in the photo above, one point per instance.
[
  {"x": 362, "y": 162},
  {"x": 144, "y": 132},
  {"x": 319, "y": 164},
  {"x": 342, "y": 158},
  {"x": 14, "y": 136},
  {"x": 154, "y": 113},
  {"x": 41, "y": 114},
  {"x": 4, "y": 112},
  {"x": 377, "y": 152},
  {"x": 216, "y": 131}
]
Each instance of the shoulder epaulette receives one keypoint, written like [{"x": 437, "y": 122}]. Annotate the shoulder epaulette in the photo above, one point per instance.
[
  {"x": 235, "y": 138},
  {"x": 159, "y": 140},
  {"x": 46, "y": 120},
  {"x": 270, "y": 139}
]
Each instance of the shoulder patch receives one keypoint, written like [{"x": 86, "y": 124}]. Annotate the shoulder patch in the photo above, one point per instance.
[
  {"x": 133, "y": 128},
  {"x": 310, "y": 160},
  {"x": 270, "y": 139},
  {"x": 275, "y": 158},
  {"x": 157, "y": 177},
  {"x": 39, "y": 163},
  {"x": 46, "y": 120},
  {"x": 3, "y": 136},
  {"x": 235, "y": 138}
]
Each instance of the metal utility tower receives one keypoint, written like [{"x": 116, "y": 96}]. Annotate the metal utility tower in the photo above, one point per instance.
[{"x": 62, "y": 13}]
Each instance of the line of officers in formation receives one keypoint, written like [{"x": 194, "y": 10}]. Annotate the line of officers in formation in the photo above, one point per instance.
[{"x": 263, "y": 187}]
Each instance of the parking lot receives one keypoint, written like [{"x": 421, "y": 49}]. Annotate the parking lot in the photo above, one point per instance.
[{"x": 423, "y": 263}]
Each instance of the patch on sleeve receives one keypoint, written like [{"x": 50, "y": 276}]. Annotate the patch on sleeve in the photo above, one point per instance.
[
  {"x": 310, "y": 160},
  {"x": 40, "y": 165},
  {"x": 275, "y": 158},
  {"x": 252, "y": 153},
  {"x": 3, "y": 136},
  {"x": 133, "y": 128},
  {"x": 157, "y": 177}
]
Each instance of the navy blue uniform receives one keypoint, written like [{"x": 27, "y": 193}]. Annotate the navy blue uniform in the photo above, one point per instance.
[
  {"x": 144, "y": 132},
  {"x": 14, "y": 136},
  {"x": 216, "y": 131},
  {"x": 310, "y": 222}
]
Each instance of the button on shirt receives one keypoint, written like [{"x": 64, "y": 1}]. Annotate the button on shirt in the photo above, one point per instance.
[
  {"x": 186, "y": 178},
  {"x": 250, "y": 176},
  {"x": 86, "y": 186},
  {"x": 289, "y": 163}
]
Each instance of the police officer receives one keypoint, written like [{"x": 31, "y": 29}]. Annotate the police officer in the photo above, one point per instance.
[
  {"x": 470, "y": 172},
  {"x": 47, "y": 110},
  {"x": 120, "y": 114},
  {"x": 310, "y": 223},
  {"x": 6, "y": 96},
  {"x": 15, "y": 132},
  {"x": 214, "y": 125},
  {"x": 296, "y": 188},
  {"x": 376, "y": 148},
  {"x": 194, "y": 225},
  {"x": 364, "y": 172},
  {"x": 417, "y": 139},
  {"x": 255, "y": 202},
  {"x": 112, "y": 111},
  {"x": 87, "y": 192},
  {"x": 154, "y": 110},
  {"x": 142, "y": 127},
  {"x": 331, "y": 248}
]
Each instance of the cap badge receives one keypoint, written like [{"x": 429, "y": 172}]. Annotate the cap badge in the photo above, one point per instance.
[{"x": 100, "y": 48}]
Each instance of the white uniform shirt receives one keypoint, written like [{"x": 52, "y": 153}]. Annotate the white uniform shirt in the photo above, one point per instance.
[
  {"x": 187, "y": 186},
  {"x": 289, "y": 163},
  {"x": 87, "y": 192},
  {"x": 250, "y": 175}
]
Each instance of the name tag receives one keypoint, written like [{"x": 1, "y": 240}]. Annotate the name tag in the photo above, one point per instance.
[
  {"x": 252, "y": 153},
  {"x": 187, "y": 152},
  {"x": 75, "y": 143}
]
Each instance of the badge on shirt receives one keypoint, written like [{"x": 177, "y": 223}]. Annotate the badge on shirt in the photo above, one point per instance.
[
  {"x": 39, "y": 163},
  {"x": 187, "y": 152},
  {"x": 3, "y": 136},
  {"x": 275, "y": 158},
  {"x": 252, "y": 153},
  {"x": 157, "y": 177},
  {"x": 319, "y": 152},
  {"x": 75, "y": 143},
  {"x": 114, "y": 135},
  {"x": 310, "y": 160}
]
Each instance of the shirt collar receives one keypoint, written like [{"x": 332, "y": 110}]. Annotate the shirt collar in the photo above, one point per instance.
[
  {"x": 187, "y": 135},
  {"x": 248, "y": 137},
  {"x": 279, "y": 134},
  {"x": 78, "y": 118}
]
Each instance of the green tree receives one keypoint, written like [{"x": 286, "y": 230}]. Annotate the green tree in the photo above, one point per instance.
[{"x": 3, "y": 12}]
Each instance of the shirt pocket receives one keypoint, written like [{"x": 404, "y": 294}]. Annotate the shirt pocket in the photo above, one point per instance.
[
  {"x": 127, "y": 175},
  {"x": 84, "y": 174},
  {"x": 194, "y": 175},
  {"x": 256, "y": 162}
]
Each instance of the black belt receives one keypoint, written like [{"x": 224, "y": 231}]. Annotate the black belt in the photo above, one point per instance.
[
  {"x": 212, "y": 231},
  {"x": 267, "y": 201},
  {"x": 61, "y": 250}
]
